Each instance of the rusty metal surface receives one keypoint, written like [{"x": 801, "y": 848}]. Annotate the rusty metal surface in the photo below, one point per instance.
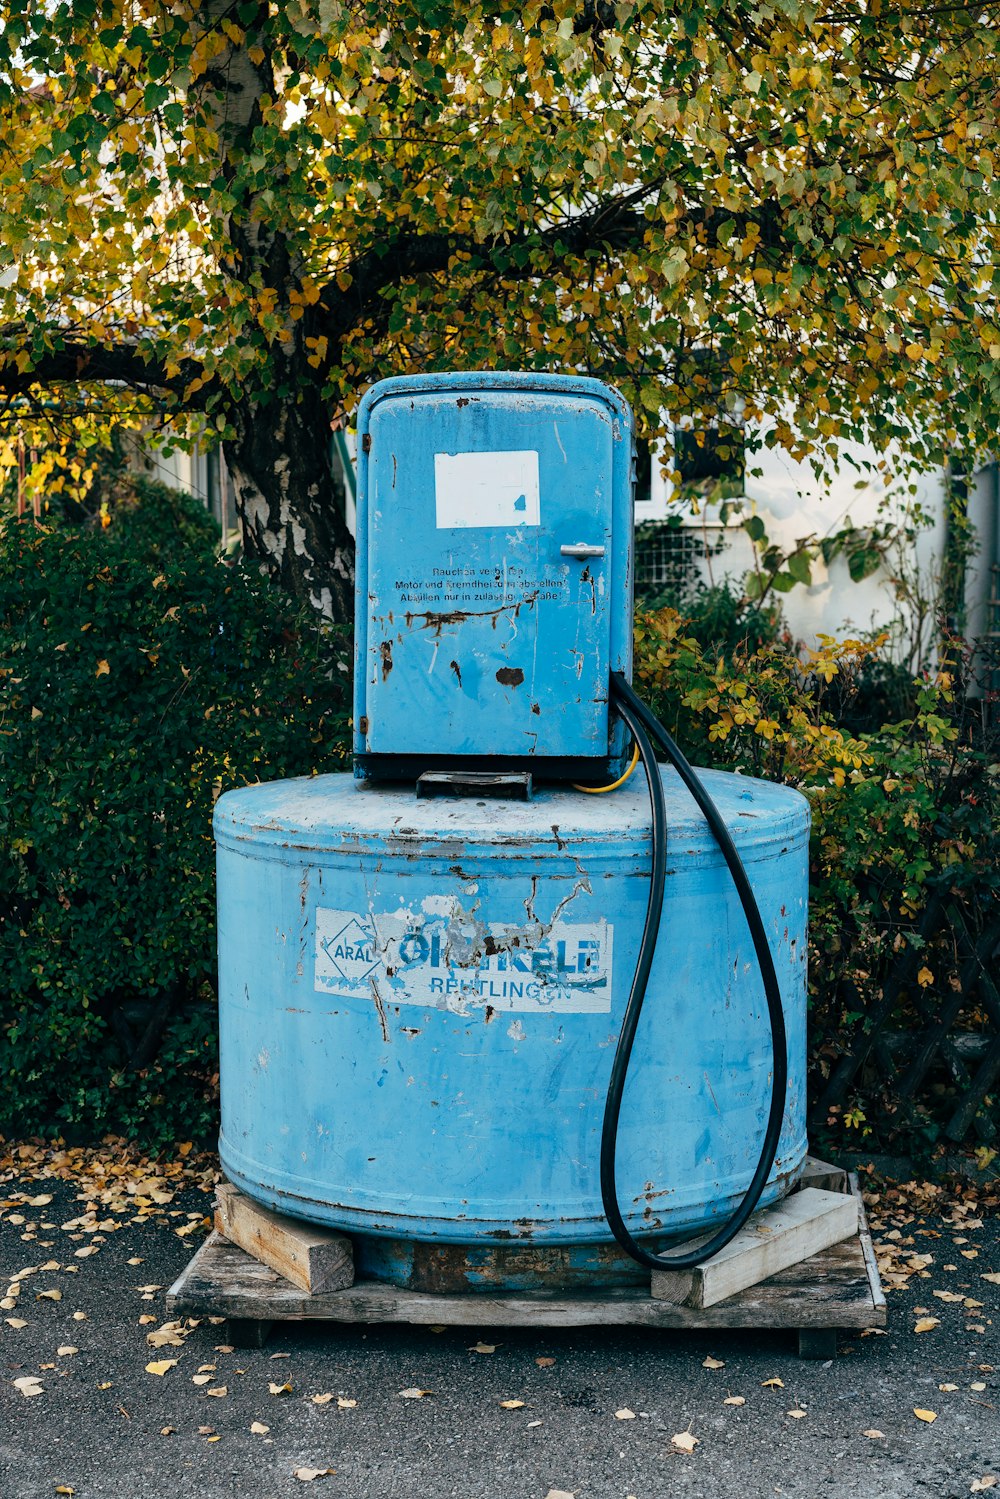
[{"x": 461, "y": 1268}]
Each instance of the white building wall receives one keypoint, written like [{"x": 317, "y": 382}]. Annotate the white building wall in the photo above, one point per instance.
[{"x": 793, "y": 506}]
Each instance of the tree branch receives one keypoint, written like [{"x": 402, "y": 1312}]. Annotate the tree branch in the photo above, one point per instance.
[
  {"x": 613, "y": 224},
  {"x": 76, "y": 362}
]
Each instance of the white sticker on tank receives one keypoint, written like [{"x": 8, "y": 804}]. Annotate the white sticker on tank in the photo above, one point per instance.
[
  {"x": 564, "y": 969},
  {"x": 486, "y": 489}
]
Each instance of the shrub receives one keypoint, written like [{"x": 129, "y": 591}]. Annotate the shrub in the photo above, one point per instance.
[
  {"x": 905, "y": 851},
  {"x": 140, "y": 677}
]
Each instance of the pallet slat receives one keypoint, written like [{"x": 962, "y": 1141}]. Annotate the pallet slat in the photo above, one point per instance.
[
  {"x": 834, "y": 1289},
  {"x": 314, "y": 1259},
  {"x": 782, "y": 1236}
]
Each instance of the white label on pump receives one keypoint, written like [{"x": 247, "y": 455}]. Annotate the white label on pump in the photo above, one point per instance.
[
  {"x": 454, "y": 963},
  {"x": 486, "y": 489}
]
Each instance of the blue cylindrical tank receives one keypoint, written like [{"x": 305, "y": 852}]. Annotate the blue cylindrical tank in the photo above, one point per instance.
[{"x": 420, "y": 1002}]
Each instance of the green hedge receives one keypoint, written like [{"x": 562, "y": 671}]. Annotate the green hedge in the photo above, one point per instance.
[
  {"x": 140, "y": 677},
  {"x": 904, "y": 894}
]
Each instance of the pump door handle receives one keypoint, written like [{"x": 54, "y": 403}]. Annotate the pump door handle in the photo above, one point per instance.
[{"x": 581, "y": 549}]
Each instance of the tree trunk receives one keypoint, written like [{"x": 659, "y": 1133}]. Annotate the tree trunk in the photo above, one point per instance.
[{"x": 279, "y": 462}]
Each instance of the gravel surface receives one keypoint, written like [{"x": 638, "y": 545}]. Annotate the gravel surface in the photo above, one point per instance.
[{"x": 105, "y": 1428}]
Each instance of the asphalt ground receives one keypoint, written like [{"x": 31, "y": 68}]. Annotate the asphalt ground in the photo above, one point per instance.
[{"x": 105, "y": 1427}]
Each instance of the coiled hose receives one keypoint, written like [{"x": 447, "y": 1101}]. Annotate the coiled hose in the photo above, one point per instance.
[{"x": 642, "y": 724}]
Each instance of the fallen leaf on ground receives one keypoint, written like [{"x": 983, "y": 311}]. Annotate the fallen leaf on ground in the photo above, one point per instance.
[
  {"x": 734, "y": 1400},
  {"x": 105, "y": 1386},
  {"x": 280, "y": 1389},
  {"x": 988, "y": 1481},
  {"x": 483, "y": 1348},
  {"x": 714, "y": 1363},
  {"x": 345, "y": 1405},
  {"x": 164, "y": 1339},
  {"x": 797, "y": 1413},
  {"x": 79, "y": 1316},
  {"x": 923, "y": 1415},
  {"x": 160, "y": 1365},
  {"x": 924, "y": 1324},
  {"x": 308, "y": 1474},
  {"x": 167, "y": 1431},
  {"x": 81, "y": 1254},
  {"x": 948, "y": 1296},
  {"x": 560, "y": 1494},
  {"x": 67, "y": 1350},
  {"x": 978, "y": 1384},
  {"x": 321, "y": 1399},
  {"x": 993, "y": 1276},
  {"x": 684, "y": 1441},
  {"x": 64, "y": 1488},
  {"x": 873, "y": 1432},
  {"x": 947, "y": 1386},
  {"x": 772, "y": 1384},
  {"x": 624, "y": 1414},
  {"x": 49, "y": 1296},
  {"x": 29, "y": 1384},
  {"x": 15, "y": 1322},
  {"x": 259, "y": 1428},
  {"x": 220, "y": 1391},
  {"x": 534, "y": 1423},
  {"x": 133, "y": 1262},
  {"x": 545, "y": 1363},
  {"x": 414, "y": 1394},
  {"x": 511, "y": 1405}
]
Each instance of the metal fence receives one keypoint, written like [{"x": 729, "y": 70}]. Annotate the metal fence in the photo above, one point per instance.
[{"x": 670, "y": 559}]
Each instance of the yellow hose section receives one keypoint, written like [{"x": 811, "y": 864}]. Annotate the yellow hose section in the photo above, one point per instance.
[{"x": 600, "y": 790}]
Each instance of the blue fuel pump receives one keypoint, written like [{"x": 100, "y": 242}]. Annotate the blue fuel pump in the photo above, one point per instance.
[{"x": 424, "y": 972}]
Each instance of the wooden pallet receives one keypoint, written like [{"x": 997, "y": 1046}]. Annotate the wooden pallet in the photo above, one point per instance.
[{"x": 836, "y": 1289}]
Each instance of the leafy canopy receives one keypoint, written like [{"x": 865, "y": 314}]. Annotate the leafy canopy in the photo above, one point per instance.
[{"x": 226, "y": 203}]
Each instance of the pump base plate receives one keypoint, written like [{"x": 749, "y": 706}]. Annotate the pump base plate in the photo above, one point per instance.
[{"x": 838, "y": 1288}]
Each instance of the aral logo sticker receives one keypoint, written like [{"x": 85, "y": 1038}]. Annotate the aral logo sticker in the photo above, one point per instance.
[
  {"x": 439, "y": 962},
  {"x": 349, "y": 954}
]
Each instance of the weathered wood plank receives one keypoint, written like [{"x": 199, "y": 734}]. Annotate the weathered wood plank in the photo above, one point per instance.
[
  {"x": 817, "y": 1342},
  {"x": 781, "y": 1236},
  {"x": 247, "y": 1332},
  {"x": 314, "y": 1259},
  {"x": 817, "y": 1173},
  {"x": 832, "y": 1289},
  {"x": 868, "y": 1249}
]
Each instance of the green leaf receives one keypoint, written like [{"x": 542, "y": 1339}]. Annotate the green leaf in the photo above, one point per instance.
[
  {"x": 799, "y": 567},
  {"x": 754, "y": 527},
  {"x": 154, "y": 95}
]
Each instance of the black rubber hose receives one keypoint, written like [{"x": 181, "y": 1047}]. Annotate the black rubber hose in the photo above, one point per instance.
[{"x": 642, "y": 723}]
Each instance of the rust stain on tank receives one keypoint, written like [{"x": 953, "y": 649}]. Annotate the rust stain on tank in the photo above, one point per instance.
[
  {"x": 510, "y": 676},
  {"x": 457, "y": 670},
  {"x": 436, "y": 620},
  {"x": 385, "y": 651}
]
